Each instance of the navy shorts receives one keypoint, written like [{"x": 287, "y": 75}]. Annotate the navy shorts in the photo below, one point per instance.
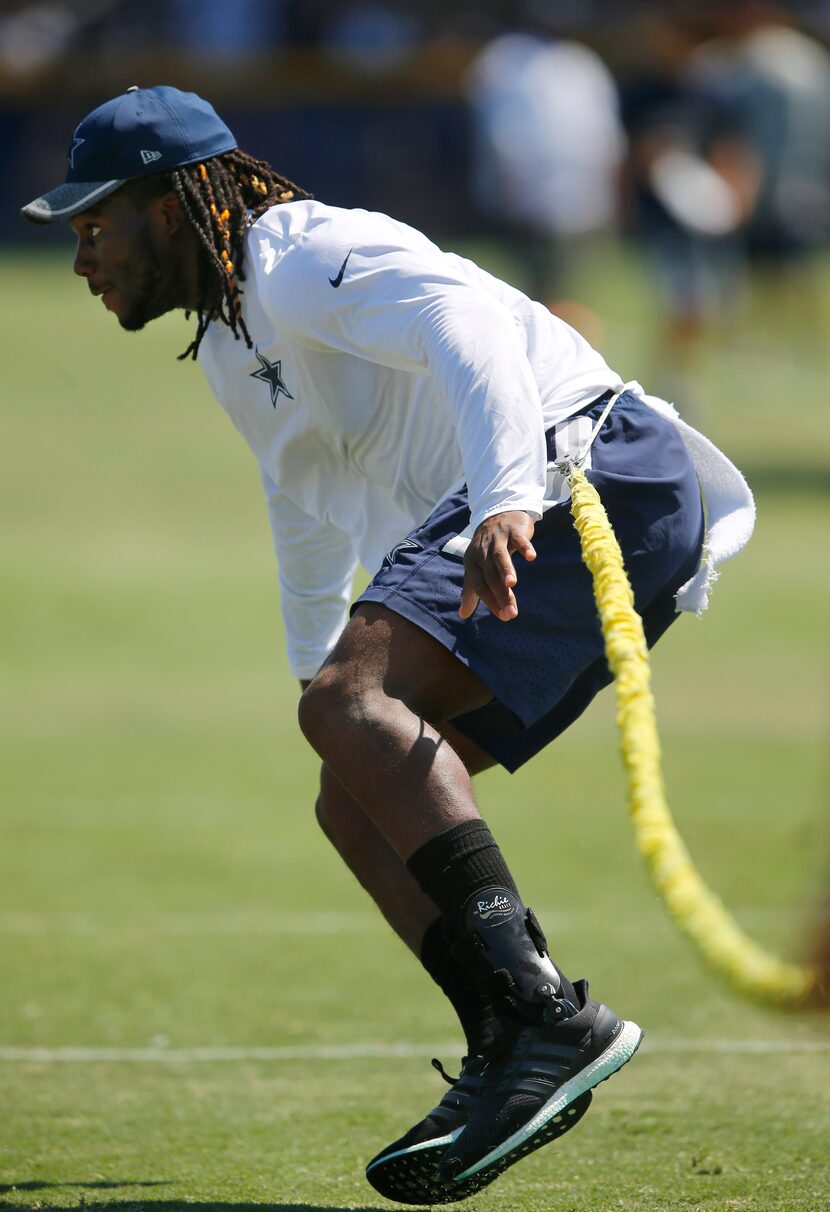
[{"x": 545, "y": 666}]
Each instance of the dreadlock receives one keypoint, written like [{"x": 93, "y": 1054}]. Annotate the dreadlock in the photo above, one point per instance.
[{"x": 221, "y": 197}]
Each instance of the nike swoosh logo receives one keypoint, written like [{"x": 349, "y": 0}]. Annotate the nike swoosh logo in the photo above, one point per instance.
[{"x": 336, "y": 281}]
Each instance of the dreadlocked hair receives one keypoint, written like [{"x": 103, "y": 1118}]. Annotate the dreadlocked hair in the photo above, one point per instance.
[{"x": 221, "y": 197}]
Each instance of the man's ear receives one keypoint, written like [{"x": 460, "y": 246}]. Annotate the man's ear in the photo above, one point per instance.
[{"x": 169, "y": 213}]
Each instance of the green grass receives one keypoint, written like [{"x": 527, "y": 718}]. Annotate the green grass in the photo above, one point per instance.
[{"x": 163, "y": 885}]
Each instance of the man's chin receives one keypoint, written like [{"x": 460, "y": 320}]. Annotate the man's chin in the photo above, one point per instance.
[
  {"x": 135, "y": 320},
  {"x": 131, "y": 318},
  {"x": 133, "y": 323}
]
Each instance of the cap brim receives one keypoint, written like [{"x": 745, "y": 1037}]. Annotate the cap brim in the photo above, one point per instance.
[{"x": 68, "y": 200}]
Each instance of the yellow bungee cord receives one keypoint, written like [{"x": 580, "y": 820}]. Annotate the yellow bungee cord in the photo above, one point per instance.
[{"x": 695, "y": 908}]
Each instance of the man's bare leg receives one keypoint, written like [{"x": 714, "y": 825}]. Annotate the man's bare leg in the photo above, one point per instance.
[
  {"x": 370, "y": 857},
  {"x": 373, "y": 714},
  {"x": 377, "y": 713}
]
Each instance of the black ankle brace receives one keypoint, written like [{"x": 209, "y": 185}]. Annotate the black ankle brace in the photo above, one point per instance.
[
  {"x": 459, "y": 985},
  {"x": 506, "y": 950}
]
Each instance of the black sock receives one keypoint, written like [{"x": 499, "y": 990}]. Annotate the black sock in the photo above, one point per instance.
[
  {"x": 450, "y": 868},
  {"x": 457, "y": 863},
  {"x": 473, "y": 1008}
]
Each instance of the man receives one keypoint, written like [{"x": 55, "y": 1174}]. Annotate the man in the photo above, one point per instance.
[
  {"x": 547, "y": 144},
  {"x": 408, "y": 410}
]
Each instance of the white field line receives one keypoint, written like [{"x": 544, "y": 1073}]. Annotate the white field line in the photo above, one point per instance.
[
  {"x": 369, "y": 1051},
  {"x": 208, "y": 923},
  {"x": 216, "y": 923}
]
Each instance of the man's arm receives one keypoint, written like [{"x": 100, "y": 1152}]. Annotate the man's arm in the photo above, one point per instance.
[
  {"x": 316, "y": 565},
  {"x": 412, "y": 310}
]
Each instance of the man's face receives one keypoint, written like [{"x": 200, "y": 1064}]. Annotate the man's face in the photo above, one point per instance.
[{"x": 125, "y": 254}]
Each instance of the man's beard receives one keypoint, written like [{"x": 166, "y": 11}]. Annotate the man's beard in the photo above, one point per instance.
[{"x": 154, "y": 280}]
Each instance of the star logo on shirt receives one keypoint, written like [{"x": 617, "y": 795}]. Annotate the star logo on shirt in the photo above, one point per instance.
[{"x": 271, "y": 373}]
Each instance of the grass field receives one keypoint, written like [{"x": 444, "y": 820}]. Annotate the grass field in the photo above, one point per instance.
[{"x": 199, "y": 1008}]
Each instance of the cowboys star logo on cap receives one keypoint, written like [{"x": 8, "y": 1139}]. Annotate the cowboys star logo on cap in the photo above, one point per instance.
[{"x": 76, "y": 143}]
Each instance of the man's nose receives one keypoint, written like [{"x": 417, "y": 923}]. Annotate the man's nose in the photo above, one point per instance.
[{"x": 83, "y": 264}]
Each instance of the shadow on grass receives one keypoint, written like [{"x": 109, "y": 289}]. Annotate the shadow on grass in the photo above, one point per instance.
[
  {"x": 153, "y": 1205},
  {"x": 101, "y": 1185}
]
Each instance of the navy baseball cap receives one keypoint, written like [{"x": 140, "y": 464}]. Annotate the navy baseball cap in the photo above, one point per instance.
[{"x": 143, "y": 131}]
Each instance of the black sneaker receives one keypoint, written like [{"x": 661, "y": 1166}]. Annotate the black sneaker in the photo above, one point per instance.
[
  {"x": 407, "y": 1170},
  {"x": 541, "y": 1072}
]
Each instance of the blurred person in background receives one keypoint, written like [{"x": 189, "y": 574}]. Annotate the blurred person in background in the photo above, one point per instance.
[
  {"x": 729, "y": 122},
  {"x": 35, "y": 36},
  {"x": 774, "y": 82},
  {"x": 547, "y": 147},
  {"x": 692, "y": 182},
  {"x": 773, "y": 78}
]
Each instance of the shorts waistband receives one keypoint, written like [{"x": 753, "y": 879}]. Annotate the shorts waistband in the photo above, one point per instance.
[{"x": 600, "y": 400}]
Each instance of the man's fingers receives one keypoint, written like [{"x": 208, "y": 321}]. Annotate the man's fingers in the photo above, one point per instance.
[
  {"x": 499, "y": 570},
  {"x": 500, "y": 580},
  {"x": 489, "y": 574},
  {"x": 475, "y": 590},
  {"x": 469, "y": 599},
  {"x": 509, "y": 610},
  {"x": 524, "y": 547}
]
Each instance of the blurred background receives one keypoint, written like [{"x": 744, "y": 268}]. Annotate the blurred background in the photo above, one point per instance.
[
  {"x": 692, "y": 134},
  {"x": 659, "y": 175}
]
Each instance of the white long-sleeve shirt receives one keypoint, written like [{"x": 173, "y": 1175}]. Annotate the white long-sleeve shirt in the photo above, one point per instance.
[{"x": 385, "y": 372}]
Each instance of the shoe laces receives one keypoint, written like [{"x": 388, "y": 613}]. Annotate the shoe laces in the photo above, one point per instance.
[{"x": 451, "y": 1081}]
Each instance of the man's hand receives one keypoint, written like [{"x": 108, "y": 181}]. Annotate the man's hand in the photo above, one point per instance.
[{"x": 489, "y": 574}]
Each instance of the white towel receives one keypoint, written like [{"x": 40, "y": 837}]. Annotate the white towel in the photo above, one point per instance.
[{"x": 727, "y": 501}]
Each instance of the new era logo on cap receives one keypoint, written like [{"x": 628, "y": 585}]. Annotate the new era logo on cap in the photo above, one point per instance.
[{"x": 147, "y": 157}]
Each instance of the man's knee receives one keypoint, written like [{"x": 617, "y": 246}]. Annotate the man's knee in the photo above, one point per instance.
[
  {"x": 310, "y": 711},
  {"x": 381, "y": 661},
  {"x": 331, "y": 701}
]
